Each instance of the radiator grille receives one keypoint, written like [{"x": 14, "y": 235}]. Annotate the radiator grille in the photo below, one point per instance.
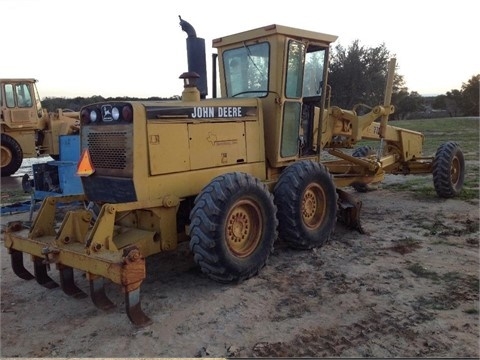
[{"x": 108, "y": 149}]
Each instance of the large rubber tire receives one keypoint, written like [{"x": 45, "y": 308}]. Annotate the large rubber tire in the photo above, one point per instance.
[
  {"x": 448, "y": 170},
  {"x": 306, "y": 199},
  {"x": 233, "y": 227},
  {"x": 11, "y": 155},
  {"x": 362, "y": 151}
]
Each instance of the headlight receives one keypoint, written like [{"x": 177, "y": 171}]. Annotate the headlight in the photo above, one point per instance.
[
  {"x": 115, "y": 113},
  {"x": 93, "y": 116}
]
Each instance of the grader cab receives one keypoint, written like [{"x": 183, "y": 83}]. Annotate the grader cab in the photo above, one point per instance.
[{"x": 227, "y": 174}]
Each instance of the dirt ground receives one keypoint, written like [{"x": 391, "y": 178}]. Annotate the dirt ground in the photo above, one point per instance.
[{"x": 408, "y": 288}]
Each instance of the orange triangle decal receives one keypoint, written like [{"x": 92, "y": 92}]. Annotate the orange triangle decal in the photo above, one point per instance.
[{"x": 85, "y": 166}]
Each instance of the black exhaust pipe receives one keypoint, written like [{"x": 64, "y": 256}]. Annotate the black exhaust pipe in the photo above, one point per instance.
[{"x": 196, "y": 56}]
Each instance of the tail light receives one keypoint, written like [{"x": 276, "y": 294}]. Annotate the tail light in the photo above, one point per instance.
[
  {"x": 85, "y": 116},
  {"x": 127, "y": 113}
]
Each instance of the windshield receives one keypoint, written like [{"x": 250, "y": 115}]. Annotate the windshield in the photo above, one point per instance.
[{"x": 247, "y": 70}]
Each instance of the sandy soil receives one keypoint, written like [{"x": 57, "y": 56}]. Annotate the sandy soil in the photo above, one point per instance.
[{"x": 408, "y": 288}]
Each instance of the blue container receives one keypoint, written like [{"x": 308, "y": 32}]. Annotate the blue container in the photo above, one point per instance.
[
  {"x": 56, "y": 178},
  {"x": 69, "y": 181},
  {"x": 70, "y": 148}
]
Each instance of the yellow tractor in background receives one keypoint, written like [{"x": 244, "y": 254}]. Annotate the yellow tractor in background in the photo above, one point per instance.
[
  {"x": 28, "y": 130},
  {"x": 228, "y": 174}
]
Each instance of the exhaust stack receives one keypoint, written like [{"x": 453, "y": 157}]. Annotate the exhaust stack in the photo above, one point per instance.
[{"x": 196, "y": 56}]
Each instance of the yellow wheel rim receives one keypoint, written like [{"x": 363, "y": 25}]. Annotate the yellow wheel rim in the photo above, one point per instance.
[
  {"x": 244, "y": 228},
  {"x": 6, "y": 156},
  {"x": 313, "y": 206},
  {"x": 455, "y": 169}
]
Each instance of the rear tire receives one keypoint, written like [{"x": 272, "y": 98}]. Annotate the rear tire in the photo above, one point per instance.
[
  {"x": 306, "y": 199},
  {"x": 233, "y": 227},
  {"x": 448, "y": 170},
  {"x": 11, "y": 155}
]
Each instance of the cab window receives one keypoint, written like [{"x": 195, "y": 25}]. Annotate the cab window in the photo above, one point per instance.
[
  {"x": 18, "y": 95},
  {"x": 24, "y": 97},
  {"x": 247, "y": 70},
  {"x": 314, "y": 65},
  {"x": 9, "y": 95},
  {"x": 293, "y": 85}
]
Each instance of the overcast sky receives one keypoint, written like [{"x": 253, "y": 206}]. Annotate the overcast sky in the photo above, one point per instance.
[{"x": 137, "y": 48}]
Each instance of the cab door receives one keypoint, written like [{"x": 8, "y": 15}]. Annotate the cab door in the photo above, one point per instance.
[{"x": 292, "y": 105}]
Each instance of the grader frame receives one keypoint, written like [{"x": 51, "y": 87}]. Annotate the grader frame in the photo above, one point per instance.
[{"x": 228, "y": 174}]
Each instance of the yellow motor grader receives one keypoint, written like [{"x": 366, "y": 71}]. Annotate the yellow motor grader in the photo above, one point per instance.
[
  {"x": 228, "y": 174},
  {"x": 28, "y": 130}
]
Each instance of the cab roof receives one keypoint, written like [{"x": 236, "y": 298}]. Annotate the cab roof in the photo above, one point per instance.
[
  {"x": 271, "y": 30},
  {"x": 18, "y": 80}
]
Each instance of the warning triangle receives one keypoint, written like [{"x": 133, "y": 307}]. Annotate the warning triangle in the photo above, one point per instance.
[{"x": 85, "y": 166}]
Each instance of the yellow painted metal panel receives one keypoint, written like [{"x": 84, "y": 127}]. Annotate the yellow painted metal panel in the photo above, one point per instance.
[
  {"x": 255, "y": 142},
  {"x": 168, "y": 148},
  {"x": 412, "y": 144},
  {"x": 217, "y": 144}
]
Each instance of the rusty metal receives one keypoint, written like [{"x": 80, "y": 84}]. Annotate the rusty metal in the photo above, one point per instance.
[
  {"x": 134, "y": 309},
  {"x": 132, "y": 277},
  {"x": 97, "y": 293},
  {"x": 348, "y": 211}
]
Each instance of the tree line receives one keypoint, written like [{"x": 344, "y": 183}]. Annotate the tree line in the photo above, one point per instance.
[{"x": 357, "y": 75}]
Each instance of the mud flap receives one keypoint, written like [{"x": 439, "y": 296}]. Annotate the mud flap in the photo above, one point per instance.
[{"x": 348, "y": 211}]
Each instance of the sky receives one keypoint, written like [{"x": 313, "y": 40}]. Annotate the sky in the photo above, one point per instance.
[{"x": 137, "y": 48}]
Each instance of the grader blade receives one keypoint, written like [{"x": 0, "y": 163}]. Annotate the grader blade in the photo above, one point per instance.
[
  {"x": 97, "y": 294},
  {"x": 40, "y": 271},
  {"x": 16, "y": 258},
  {"x": 134, "y": 309},
  {"x": 348, "y": 211},
  {"x": 67, "y": 283}
]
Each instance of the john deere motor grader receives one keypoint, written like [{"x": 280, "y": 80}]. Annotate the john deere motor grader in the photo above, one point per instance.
[
  {"x": 28, "y": 130},
  {"x": 227, "y": 174}
]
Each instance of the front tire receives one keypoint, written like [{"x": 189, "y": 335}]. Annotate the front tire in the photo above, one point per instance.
[
  {"x": 448, "y": 170},
  {"x": 363, "y": 151},
  {"x": 306, "y": 199},
  {"x": 11, "y": 155},
  {"x": 233, "y": 227}
]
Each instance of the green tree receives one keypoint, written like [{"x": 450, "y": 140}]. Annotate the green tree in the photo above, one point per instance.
[
  {"x": 453, "y": 102},
  {"x": 440, "y": 103},
  {"x": 358, "y": 74},
  {"x": 406, "y": 103},
  {"x": 470, "y": 94}
]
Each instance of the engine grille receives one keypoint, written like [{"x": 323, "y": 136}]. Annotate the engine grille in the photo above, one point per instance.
[{"x": 108, "y": 149}]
